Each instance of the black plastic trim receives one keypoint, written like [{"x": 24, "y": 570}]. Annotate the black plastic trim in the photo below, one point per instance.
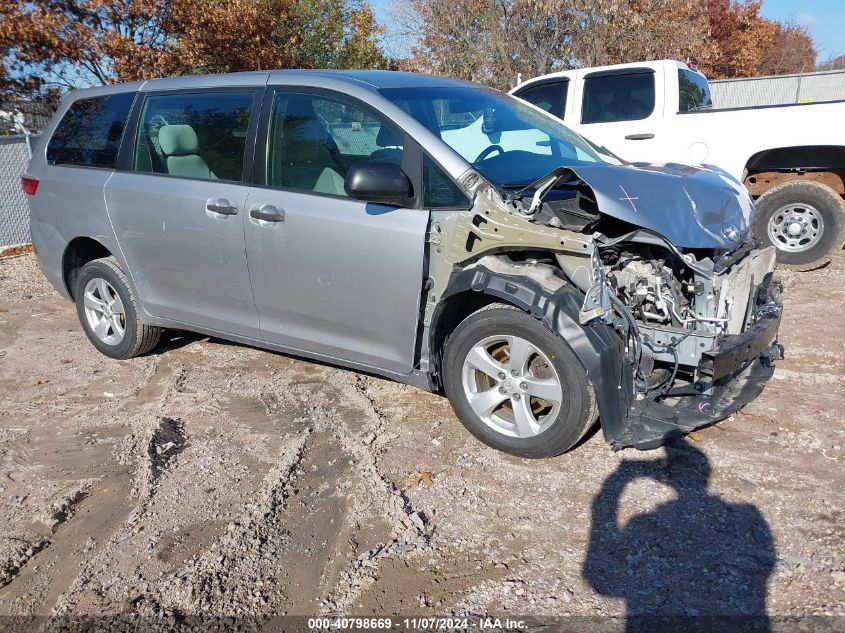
[
  {"x": 598, "y": 347},
  {"x": 619, "y": 71},
  {"x": 739, "y": 350}
]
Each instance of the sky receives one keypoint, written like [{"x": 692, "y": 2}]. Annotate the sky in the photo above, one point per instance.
[{"x": 825, "y": 19}]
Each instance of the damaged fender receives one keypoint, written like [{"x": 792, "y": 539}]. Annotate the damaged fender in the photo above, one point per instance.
[{"x": 597, "y": 346}]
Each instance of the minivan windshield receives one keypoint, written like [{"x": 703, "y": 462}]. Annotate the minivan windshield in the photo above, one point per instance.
[{"x": 507, "y": 141}]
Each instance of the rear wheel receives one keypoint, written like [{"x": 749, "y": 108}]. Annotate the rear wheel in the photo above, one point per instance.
[
  {"x": 107, "y": 309},
  {"x": 515, "y": 385},
  {"x": 805, "y": 221}
]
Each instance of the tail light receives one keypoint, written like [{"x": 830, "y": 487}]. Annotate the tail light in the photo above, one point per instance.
[{"x": 29, "y": 185}]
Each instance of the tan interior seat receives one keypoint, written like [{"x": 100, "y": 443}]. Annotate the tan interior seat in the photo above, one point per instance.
[
  {"x": 390, "y": 147},
  {"x": 180, "y": 145},
  {"x": 304, "y": 161}
]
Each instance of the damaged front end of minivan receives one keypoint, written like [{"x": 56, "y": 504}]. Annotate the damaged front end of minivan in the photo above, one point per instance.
[{"x": 649, "y": 274}]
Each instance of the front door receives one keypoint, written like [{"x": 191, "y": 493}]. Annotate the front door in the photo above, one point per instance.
[
  {"x": 179, "y": 215},
  {"x": 331, "y": 275},
  {"x": 622, "y": 110}
]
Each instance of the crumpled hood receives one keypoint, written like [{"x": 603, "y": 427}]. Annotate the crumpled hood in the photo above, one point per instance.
[{"x": 692, "y": 207}]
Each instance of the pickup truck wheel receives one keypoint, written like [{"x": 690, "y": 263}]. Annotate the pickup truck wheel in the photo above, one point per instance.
[
  {"x": 805, "y": 221},
  {"x": 106, "y": 307},
  {"x": 515, "y": 385}
]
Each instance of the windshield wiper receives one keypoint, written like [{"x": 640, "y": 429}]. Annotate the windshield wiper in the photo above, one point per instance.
[{"x": 540, "y": 187}]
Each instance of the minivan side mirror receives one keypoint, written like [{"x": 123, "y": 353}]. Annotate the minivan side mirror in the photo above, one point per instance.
[{"x": 377, "y": 182}]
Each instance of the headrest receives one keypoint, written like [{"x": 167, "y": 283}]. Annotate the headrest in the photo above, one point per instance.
[
  {"x": 386, "y": 137},
  {"x": 176, "y": 140},
  {"x": 304, "y": 140}
]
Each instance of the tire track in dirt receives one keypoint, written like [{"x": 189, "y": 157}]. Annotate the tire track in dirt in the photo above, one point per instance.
[
  {"x": 406, "y": 527},
  {"x": 237, "y": 573},
  {"x": 107, "y": 502}
]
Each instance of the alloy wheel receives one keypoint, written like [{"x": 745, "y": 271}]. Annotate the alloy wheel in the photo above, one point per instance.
[
  {"x": 512, "y": 386},
  {"x": 104, "y": 311}
]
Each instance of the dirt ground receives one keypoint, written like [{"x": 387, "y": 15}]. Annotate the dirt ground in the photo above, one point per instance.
[{"x": 214, "y": 479}]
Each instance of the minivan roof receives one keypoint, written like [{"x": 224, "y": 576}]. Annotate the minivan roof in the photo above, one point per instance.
[{"x": 367, "y": 79}]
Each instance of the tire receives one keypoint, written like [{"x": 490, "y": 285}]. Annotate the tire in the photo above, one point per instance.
[
  {"x": 820, "y": 215},
  {"x": 104, "y": 278},
  {"x": 554, "y": 428}
]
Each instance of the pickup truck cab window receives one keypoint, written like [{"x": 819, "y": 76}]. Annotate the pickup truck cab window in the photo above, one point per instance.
[
  {"x": 200, "y": 135},
  {"x": 89, "y": 133},
  {"x": 315, "y": 139},
  {"x": 627, "y": 96},
  {"x": 549, "y": 96},
  {"x": 506, "y": 141},
  {"x": 693, "y": 92}
]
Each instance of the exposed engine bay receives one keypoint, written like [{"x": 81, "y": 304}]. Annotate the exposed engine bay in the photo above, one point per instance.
[
  {"x": 697, "y": 324},
  {"x": 672, "y": 306}
]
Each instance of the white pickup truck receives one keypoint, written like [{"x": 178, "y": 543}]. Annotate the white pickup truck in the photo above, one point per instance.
[{"x": 790, "y": 157}]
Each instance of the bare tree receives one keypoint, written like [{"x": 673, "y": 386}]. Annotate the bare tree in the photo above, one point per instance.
[
  {"x": 494, "y": 41},
  {"x": 833, "y": 63},
  {"x": 489, "y": 42}
]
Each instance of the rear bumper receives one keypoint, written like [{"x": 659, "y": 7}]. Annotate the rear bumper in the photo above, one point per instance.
[{"x": 733, "y": 374}]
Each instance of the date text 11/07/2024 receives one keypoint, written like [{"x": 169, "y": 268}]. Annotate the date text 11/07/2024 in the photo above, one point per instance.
[{"x": 416, "y": 624}]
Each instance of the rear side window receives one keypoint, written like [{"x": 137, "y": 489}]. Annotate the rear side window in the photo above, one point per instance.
[
  {"x": 618, "y": 97},
  {"x": 90, "y": 131},
  {"x": 694, "y": 92},
  {"x": 199, "y": 135},
  {"x": 550, "y": 96}
]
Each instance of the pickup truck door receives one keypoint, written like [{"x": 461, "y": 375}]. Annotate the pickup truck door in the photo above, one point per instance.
[
  {"x": 332, "y": 277},
  {"x": 622, "y": 109}
]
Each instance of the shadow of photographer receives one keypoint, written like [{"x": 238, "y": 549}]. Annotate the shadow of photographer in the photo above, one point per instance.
[{"x": 696, "y": 563}]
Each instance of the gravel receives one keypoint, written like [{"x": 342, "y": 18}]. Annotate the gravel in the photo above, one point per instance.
[{"x": 213, "y": 479}]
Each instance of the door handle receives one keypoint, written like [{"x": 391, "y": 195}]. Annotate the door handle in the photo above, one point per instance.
[
  {"x": 639, "y": 137},
  {"x": 220, "y": 206},
  {"x": 267, "y": 213}
]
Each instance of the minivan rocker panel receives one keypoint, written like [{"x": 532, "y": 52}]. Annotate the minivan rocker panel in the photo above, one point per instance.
[{"x": 432, "y": 231}]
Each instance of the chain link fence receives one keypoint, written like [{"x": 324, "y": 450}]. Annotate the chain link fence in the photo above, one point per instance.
[
  {"x": 15, "y": 151},
  {"x": 763, "y": 91}
]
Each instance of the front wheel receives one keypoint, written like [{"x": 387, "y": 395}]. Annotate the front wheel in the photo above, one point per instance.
[
  {"x": 805, "y": 221},
  {"x": 515, "y": 385}
]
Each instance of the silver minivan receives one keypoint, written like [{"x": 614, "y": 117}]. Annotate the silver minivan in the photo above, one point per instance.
[{"x": 436, "y": 232}]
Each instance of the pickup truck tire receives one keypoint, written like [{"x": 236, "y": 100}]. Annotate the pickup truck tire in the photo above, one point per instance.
[
  {"x": 108, "y": 312},
  {"x": 815, "y": 212},
  {"x": 520, "y": 360}
]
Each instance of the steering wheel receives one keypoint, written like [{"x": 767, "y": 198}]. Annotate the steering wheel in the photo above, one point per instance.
[{"x": 484, "y": 154}]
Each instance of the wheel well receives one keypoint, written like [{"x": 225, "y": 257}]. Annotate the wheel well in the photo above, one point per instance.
[
  {"x": 799, "y": 157},
  {"x": 455, "y": 309},
  {"x": 814, "y": 163},
  {"x": 79, "y": 252}
]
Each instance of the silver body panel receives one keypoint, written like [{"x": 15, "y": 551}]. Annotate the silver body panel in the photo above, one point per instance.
[
  {"x": 189, "y": 264},
  {"x": 339, "y": 277},
  {"x": 338, "y": 281}
]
